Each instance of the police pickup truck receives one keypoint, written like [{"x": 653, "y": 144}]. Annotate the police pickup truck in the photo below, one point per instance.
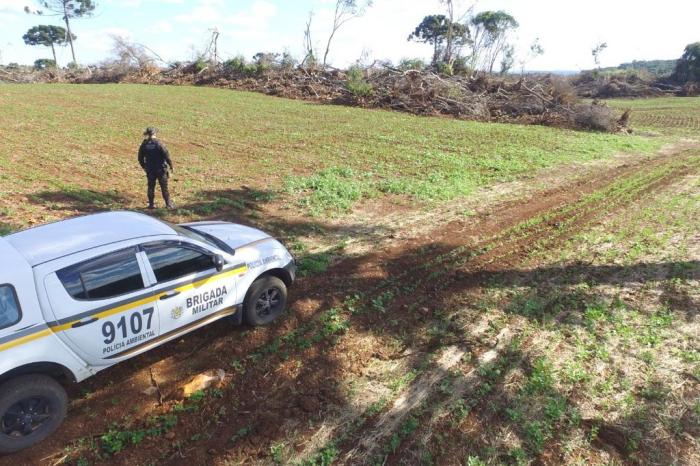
[{"x": 83, "y": 294}]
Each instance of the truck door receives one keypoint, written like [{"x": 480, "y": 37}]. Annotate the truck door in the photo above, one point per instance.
[
  {"x": 189, "y": 288},
  {"x": 103, "y": 309}
]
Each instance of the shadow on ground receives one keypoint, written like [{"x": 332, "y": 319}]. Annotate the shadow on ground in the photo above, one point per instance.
[
  {"x": 291, "y": 375},
  {"x": 79, "y": 200}
]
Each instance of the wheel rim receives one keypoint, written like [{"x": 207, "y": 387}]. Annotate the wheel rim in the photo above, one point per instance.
[
  {"x": 26, "y": 416},
  {"x": 269, "y": 303}
]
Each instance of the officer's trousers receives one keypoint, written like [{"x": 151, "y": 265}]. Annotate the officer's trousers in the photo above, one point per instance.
[{"x": 162, "y": 178}]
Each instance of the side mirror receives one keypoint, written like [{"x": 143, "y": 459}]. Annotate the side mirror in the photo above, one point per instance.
[{"x": 219, "y": 262}]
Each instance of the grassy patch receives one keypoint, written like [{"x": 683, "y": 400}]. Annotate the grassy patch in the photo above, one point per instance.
[
  {"x": 117, "y": 439},
  {"x": 331, "y": 189},
  {"x": 312, "y": 264},
  {"x": 224, "y": 142}
]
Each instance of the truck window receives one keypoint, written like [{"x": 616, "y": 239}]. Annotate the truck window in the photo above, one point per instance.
[
  {"x": 104, "y": 277},
  {"x": 9, "y": 306},
  {"x": 170, "y": 262}
]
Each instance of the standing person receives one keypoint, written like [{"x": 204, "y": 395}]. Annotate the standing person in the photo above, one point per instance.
[{"x": 155, "y": 160}]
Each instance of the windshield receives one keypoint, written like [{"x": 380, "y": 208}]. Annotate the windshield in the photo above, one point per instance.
[{"x": 191, "y": 233}]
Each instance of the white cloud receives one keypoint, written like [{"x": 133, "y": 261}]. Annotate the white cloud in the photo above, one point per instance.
[
  {"x": 263, "y": 9},
  {"x": 212, "y": 13},
  {"x": 139, "y": 3},
  {"x": 14, "y": 6},
  {"x": 205, "y": 11},
  {"x": 100, "y": 43},
  {"x": 161, "y": 27},
  {"x": 255, "y": 18}
]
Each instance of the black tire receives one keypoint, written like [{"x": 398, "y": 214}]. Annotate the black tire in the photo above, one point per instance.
[
  {"x": 265, "y": 300},
  {"x": 31, "y": 408}
]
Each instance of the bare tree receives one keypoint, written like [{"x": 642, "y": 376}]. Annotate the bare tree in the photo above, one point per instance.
[
  {"x": 309, "y": 56},
  {"x": 479, "y": 42},
  {"x": 129, "y": 53},
  {"x": 597, "y": 50},
  {"x": 345, "y": 10},
  {"x": 535, "y": 51},
  {"x": 133, "y": 56},
  {"x": 449, "y": 37},
  {"x": 212, "y": 50}
]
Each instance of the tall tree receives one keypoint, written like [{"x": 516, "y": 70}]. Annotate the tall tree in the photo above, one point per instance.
[
  {"x": 491, "y": 30},
  {"x": 67, "y": 10},
  {"x": 688, "y": 67},
  {"x": 434, "y": 30},
  {"x": 48, "y": 36},
  {"x": 345, "y": 10}
]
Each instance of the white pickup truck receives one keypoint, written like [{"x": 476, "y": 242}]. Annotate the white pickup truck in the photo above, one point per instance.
[{"x": 83, "y": 294}]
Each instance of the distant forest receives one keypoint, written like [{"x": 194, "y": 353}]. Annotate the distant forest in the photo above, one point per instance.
[{"x": 655, "y": 67}]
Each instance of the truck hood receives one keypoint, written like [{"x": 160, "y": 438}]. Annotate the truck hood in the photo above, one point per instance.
[{"x": 232, "y": 234}]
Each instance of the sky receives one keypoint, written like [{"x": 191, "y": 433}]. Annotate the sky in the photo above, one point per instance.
[{"x": 177, "y": 29}]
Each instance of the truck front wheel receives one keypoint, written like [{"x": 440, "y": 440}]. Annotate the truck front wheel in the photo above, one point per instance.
[
  {"x": 265, "y": 300},
  {"x": 31, "y": 408}
]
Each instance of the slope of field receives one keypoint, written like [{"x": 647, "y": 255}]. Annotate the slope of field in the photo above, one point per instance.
[
  {"x": 550, "y": 317},
  {"x": 74, "y": 148},
  {"x": 668, "y": 115}
]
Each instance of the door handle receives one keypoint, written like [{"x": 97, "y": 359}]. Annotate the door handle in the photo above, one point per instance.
[
  {"x": 169, "y": 295},
  {"x": 84, "y": 322}
]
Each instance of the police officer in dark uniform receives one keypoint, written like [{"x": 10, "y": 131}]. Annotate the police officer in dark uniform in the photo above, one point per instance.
[{"x": 155, "y": 160}]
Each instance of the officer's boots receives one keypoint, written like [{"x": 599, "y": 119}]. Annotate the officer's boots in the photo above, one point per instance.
[{"x": 168, "y": 202}]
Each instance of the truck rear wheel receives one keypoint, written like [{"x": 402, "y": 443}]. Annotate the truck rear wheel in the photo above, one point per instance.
[
  {"x": 265, "y": 300},
  {"x": 31, "y": 408}
]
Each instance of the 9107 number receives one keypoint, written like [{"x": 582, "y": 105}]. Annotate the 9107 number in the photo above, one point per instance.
[{"x": 133, "y": 323}]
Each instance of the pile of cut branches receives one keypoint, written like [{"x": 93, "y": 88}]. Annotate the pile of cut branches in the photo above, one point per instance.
[
  {"x": 542, "y": 99},
  {"x": 630, "y": 85},
  {"x": 546, "y": 99}
]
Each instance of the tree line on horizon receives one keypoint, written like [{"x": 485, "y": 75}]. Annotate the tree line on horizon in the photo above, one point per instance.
[{"x": 462, "y": 42}]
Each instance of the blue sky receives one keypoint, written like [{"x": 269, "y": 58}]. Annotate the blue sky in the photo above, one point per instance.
[{"x": 177, "y": 28}]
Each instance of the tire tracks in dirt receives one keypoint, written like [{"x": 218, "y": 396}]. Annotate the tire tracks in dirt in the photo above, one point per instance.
[
  {"x": 556, "y": 226},
  {"x": 458, "y": 253},
  {"x": 560, "y": 214}
]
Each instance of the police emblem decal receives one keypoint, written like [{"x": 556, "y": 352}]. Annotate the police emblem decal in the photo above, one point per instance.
[{"x": 176, "y": 313}]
